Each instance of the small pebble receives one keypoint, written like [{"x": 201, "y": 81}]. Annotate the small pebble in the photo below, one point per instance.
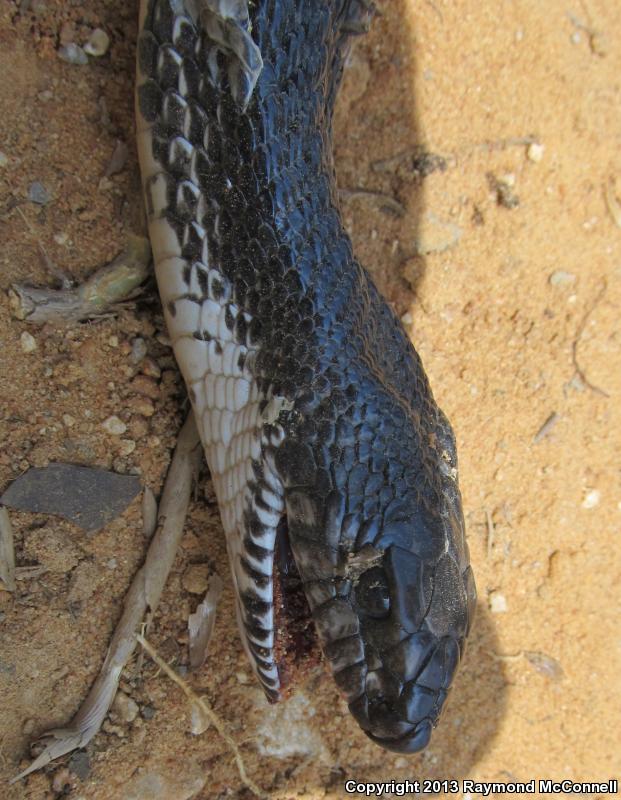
[
  {"x": 61, "y": 238},
  {"x": 114, "y": 425},
  {"x": 113, "y": 341},
  {"x": 561, "y": 278},
  {"x": 508, "y": 179},
  {"x": 535, "y": 152},
  {"x": 115, "y": 730},
  {"x": 28, "y": 727},
  {"x": 127, "y": 446},
  {"x": 150, "y": 368},
  {"x": 139, "y": 350},
  {"x": 592, "y": 499},
  {"x": 28, "y": 342},
  {"x": 124, "y": 707},
  {"x": 73, "y": 54},
  {"x": 3, "y": 160},
  {"x": 196, "y": 578},
  {"x": 147, "y": 712},
  {"x": 498, "y": 603},
  {"x": 138, "y": 427},
  {"x": 38, "y": 194},
  {"x": 98, "y": 43},
  {"x": 141, "y": 405},
  {"x": 112, "y": 563},
  {"x": 407, "y": 318},
  {"x": 68, "y": 420},
  {"x": 199, "y": 722},
  {"x": 146, "y": 386}
]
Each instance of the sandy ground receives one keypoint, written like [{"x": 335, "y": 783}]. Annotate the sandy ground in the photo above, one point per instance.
[{"x": 505, "y": 261}]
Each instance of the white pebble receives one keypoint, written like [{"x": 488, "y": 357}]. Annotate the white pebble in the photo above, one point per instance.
[
  {"x": 127, "y": 446},
  {"x": 125, "y": 707},
  {"x": 114, "y": 425},
  {"x": 498, "y": 603},
  {"x": 407, "y": 318},
  {"x": 139, "y": 350},
  {"x": 560, "y": 278},
  {"x": 535, "y": 152},
  {"x": 28, "y": 342},
  {"x": 73, "y": 54},
  {"x": 592, "y": 499},
  {"x": 98, "y": 43},
  {"x": 68, "y": 420}
]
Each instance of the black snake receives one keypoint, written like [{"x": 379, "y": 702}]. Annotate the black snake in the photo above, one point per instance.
[{"x": 335, "y": 471}]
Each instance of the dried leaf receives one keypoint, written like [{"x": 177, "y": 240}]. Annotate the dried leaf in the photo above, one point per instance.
[
  {"x": 544, "y": 664},
  {"x": 201, "y": 623}
]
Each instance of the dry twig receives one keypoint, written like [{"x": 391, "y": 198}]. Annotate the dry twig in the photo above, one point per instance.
[
  {"x": 209, "y": 713},
  {"x": 111, "y": 284}
]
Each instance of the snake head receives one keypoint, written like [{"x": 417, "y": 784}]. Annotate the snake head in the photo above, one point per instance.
[{"x": 379, "y": 544}]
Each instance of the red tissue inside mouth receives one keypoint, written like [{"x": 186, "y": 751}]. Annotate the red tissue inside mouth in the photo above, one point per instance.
[{"x": 296, "y": 649}]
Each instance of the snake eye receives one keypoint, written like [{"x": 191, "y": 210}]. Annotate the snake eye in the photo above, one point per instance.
[{"x": 372, "y": 593}]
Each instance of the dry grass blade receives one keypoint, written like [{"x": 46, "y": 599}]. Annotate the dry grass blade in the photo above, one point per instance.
[
  {"x": 209, "y": 714},
  {"x": 141, "y": 599},
  {"x": 7, "y": 554}
]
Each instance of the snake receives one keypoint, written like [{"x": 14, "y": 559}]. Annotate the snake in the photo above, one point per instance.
[{"x": 334, "y": 470}]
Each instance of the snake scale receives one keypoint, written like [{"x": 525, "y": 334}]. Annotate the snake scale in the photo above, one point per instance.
[{"x": 334, "y": 469}]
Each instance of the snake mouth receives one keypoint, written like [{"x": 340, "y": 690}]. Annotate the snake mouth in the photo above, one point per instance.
[{"x": 413, "y": 742}]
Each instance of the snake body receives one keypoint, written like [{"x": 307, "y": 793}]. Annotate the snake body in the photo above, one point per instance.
[{"x": 317, "y": 420}]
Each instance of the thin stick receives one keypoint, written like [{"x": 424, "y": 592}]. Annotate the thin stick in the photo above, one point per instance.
[{"x": 209, "y": 713}]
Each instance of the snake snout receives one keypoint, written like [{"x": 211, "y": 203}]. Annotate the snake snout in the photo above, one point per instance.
[{"x": 414, "y": 604}]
